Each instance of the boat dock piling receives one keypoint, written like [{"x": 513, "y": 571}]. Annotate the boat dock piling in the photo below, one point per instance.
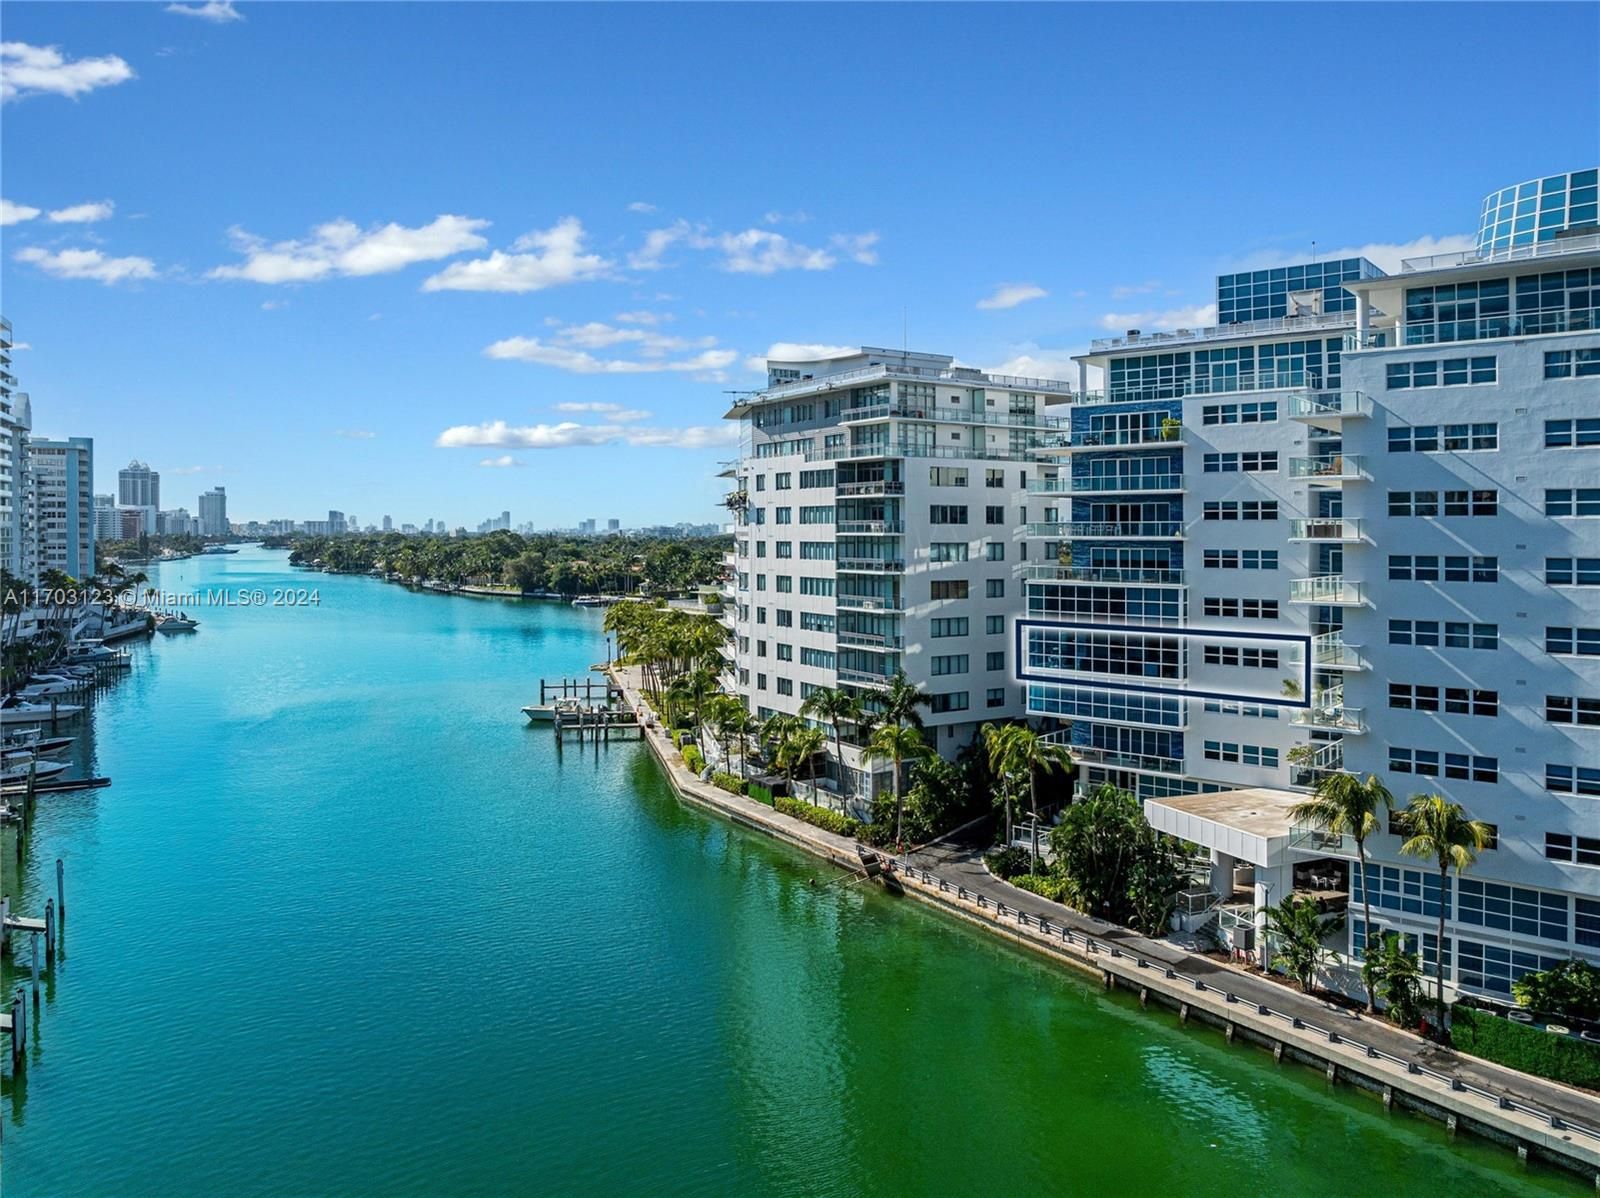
[
  {"x": 579, "y": 688},
  {"x": 597, "y": 724}
]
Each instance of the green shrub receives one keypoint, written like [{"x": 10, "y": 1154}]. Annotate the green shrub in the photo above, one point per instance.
[
  {"x": 1570, "y": 990},
  {"x": 694, "y": 759},
  {"x": 1008, "y": 863},
  {"x": 731, "y": 783},
  {"x": 830, "y": 821},
  {"x": 756, "y": 791},
  {"x": 1521, "y": 1046},
  {"x": 1044, "y": 885}
]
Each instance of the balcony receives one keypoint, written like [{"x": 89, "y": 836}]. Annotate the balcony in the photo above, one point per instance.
[
  {"x": 1327, "y": 531},
  {"x": 1127, "y": 761},
  {"x": 1148, "y": 438},
  {"x": 1326, "y": 758},
  {"x": 870, "y": 565},
  {"x": 1329, "y": 652},
  {"x": 871, "y": 640},
  {"x": 1244, "y": 328},
  {"x": 1112, "y": 574},
  {"x": 949, "y": 414},
  {"x": 861, "y": 677},
  {"x": 1334, "y": 590},
  {"x": 1143, "y": 484},
  {"x": 1329, "y": 714},
  {"x": 1328, "y": 468},
  {"x": 1329, "y": 409},
  {"x": 879, "y": 486},
  {"x": 868, "y": 603},
  {"x": 1127, "y": 529},
  {"x": 1317, "y": 842},
  {"x": 870, "y": 527}
]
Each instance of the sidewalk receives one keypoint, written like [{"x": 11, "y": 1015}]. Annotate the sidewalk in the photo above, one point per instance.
[{"x": 961, "y": 867}]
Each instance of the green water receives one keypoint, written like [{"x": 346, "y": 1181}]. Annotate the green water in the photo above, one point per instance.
[{"x": 344, "y": 925}]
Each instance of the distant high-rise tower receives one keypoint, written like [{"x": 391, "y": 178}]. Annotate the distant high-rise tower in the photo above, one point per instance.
[
  {"x": 214, "y": 512},
  {"x": 16, "y": 492},
  {"x": 63, "y": 474},
  {"x": 138, "y": 486},
  {"x": 388, "y": 524}
]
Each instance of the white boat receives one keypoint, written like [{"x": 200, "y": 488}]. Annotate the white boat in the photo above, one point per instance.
[
  {"x": 219, "y": 549},
  {"x": 35, "y": 713},
  {"x": 540, "y": 713},
  {"x": 43, "y": 690},
  {"x": 175, "y": 622},
  {"x": 17, "y": 771}
]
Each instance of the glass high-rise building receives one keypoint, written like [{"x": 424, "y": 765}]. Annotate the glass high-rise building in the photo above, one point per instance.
[
  {"x": 1264, "y": 294},
  {"x": 1539, "y": 210}
]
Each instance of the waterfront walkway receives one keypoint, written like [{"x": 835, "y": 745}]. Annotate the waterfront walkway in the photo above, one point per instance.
[{"x": 962, "y": 885}]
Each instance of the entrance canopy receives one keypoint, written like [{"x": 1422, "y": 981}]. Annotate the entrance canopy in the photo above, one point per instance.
[{"x": 1250, "y": 825}]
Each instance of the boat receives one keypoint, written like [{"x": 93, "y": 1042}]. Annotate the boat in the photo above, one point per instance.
[
  {"x": 18, "y": 771},
  {"x": 595, "y": 601},
  {"x": 28, "y": 740},
  {"x": 35, "y": 713},
  {"x": 175, "y": 622},
  {"x": 540, "y": 713},
  {"x": 219, "y": 549}
]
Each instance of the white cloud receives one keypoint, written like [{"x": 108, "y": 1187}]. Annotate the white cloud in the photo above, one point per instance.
[
  {"x": 1128, "y": 290},
  {"x": 656, "y": 243},
  {"x": 643, "y": 316},
  {"x": 43, "y": 70},
  {"x": 795, "y": 351},
  {"x": 88, "y": 264},
  {"x": 1035, "y": 362},
  {"x": 219, "y": 12},
  {"x": 550, "y": 257},
  {"x": 355, "y": 434},
  {"x": 579, "y": 361},
  {"x": 1199, "y": 316},
  {"x": 190, "y": 469},
  {"x": 641, "y": 206},
  {"x": 1009, "y": 295},
  {"x": 497, "y": 434},
  {"x": 342, "y": 247},
  {"x": 858, "y": 247},
  {"x": 1385, "y": 254},
  {"x": 615, "y": 412},
  {"x": 15, "y": 214},
  {"x": 83, "y": 214},
  {"x": 754, "y": 251},
  {"x": 501, "y": 462},
  {"x": 273, "y": 305}
]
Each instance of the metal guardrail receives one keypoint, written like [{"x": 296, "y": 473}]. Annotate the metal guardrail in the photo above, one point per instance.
[
  {"x": 1091, "y": 946},
  {"x": 1586, "y": 244}
]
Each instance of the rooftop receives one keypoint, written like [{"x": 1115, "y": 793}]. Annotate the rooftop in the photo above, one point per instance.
[
  {"x": 1243, "y": 330},
  {"x": 1252, "y": 824}
]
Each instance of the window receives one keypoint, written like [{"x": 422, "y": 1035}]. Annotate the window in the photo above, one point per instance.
[
  {"x": 1265, "y": 412},
  {"x": 781, "y": 480},
  {"x": 1455, "y": 503},
  {"x": 816, "y": 478},
  {"x": 821, "y": 514},
  {"x": 1572, "y": 501},
  {"x": 1224, "y": 750},
  {"x": 948, "y": 626},
  {"x": 1450, "y": 372},
  {"x": 813, "y": 621},
  {"x": 948, "y": 476},
  {"x": 1512, "y": 909},
  {"x": 1457, "y": 700},
  {"x": 1572, "y": 363},
  {"x": 1572, "y": 571},
  {"x": 1576, "y": 642},
  {"x": 783, "y": 618},
  {"x": 947, "y": 513},
  {"x": 1573, "y": 780},
  {"x": 816, "y": 586},
  {"x": 785, "y": 652},
  {"x": 1253, "y": 462},
  {"x": 1451, "y": 438},
  {"x": 1230, "y": 655},
  {"x": 1405, "y": 567},
  {"x": 995, "y": 660},
  {"x": 994, "y": 588},
  {"x": 952, "y": 701},
  {"x": 785, "y": 686},
  {"x": 1241, "y": 509},
  {"x": 785, "y": 583},
  {"x": 1247, "y": 609},
  {"x": 1463, "y": 767},
  {"x": 995, "y": 551},
  {"x": 782, "y": 515},
  {"x": 993, "y": 625},
  {"x": 816, "y": 551},
  {"x": 1582, "y": 433},
  {"x": 947, "y": 551},
  {"x": 951, "y": 663},
  {"x": 995, "y": 696},
  {"x": 1240, "y": 559},
  {"x": 1254, "y": 711},
  {"x": 994, "y": 513},
  {"x": 994, "y": 478},
  {"x": 783, "y": 548},
  {"x": 954, "y": 588},
  {"x": 1570, "y": 709},
  {"x": 821, "y": 659},
  {"x": 1579, "y": 850}
]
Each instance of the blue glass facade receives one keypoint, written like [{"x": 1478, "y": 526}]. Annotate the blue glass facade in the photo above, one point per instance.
[
  {"x": 1539, "y": 210},
  {"x": 1264, "y": 294}
]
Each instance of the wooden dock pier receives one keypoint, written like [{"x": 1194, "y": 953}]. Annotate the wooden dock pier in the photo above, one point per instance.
[{"x": 590, "y": 709}]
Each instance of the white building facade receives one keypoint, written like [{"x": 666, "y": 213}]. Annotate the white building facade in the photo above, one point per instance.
[
  {"x": 214, "y": 512},
  {"x": 17, "y": 546},
  {"x": 1359, "y": 537},
  {"x": 876, "y": 499},
  {"x": 63, "y": 488}
]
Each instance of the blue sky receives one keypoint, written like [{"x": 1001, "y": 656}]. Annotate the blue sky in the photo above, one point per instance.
[{"x": 442, "y": 260}]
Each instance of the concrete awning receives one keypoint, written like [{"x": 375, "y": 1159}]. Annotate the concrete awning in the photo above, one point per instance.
[{"x": 1251, "y": 825}]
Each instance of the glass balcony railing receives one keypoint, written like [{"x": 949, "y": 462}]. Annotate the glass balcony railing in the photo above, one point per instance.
[
  {"x": 1333, "y": 589},
  {"x": 1329, "y": 651},
  {"x": 1328, "y": 405},
  {"x": 879, "y": 486},
  {"x": 868, "y": 603},
  {"x": 871, "y": 565},
  {"x": 1330, "y": 713},
  {"x": 1099, "y": 485},
  {"x": 870, "y": 527},
  {"x": 1343, "y": 531},
  {"x": 1113, "y": 439},
  {"x": 1305, "y": 838},
  {"x": 1336, "y": 467},
  {"x": 1111, "y": 574}
]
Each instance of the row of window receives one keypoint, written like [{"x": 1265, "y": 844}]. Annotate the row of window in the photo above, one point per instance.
[
  {"x": 1430, "y": 763},
  {"x": 1446, "y": 438},
  {"x": 1240, "y": 559},
  {"x": 1572, "y": 571},
  {"x": 1424, "y": 567},
  {"x": 1449, "y": 634},
  {"x": 957, "y": 588},
  {"x": 1241, "y": 509},
  {"x": 1244, "y": 658},
  {"x": 1453, "y": 700},
  {"x": 1449, "y": 372},
  {"x": 1248, "y": 462},
  {"x": 1247, "y": 609},
  {"x": 1573, "y": 780},
  {"x": 1225, "y": 750},
  {"x": 1572, "y": 363},
  {"x": 1449, "y": 503},
  {"x": 1572, "y": 501},
  {"x": 1265, "y": 412},
  {"x": 1580, "y": 433},
  {"x": 1572, "y": 709}
]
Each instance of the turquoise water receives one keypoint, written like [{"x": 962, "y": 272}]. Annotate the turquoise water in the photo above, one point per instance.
[{"x": 344, "y": 925}]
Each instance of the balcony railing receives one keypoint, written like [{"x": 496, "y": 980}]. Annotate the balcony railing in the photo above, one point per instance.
[
  {"x": 870, "y": 527},
  {"x": 1329, "y": 405},
  {"x": 1336, "y": 467},
  {"x": 1343, "y": 531},
  {"x": 948, "y": 415},
  {"x": 880, "y": 486},
  {"x": 868, "y": 603},
  {"x": 956, "y": 375},
  {"x": 1587, "y": 244},
  {"x": 1151, "y": 438},
  {"x": 1243, "y": 328},
  {"x": 1485, "y": 328},
  {"x": 1318, "y": 842},
  {"x": 861, "y": 677},
  {"x": 1129, "y": 761},
  {"x": 871, "y": 640},
  {"x": 871, "y": 565},
  {"x": 1328, "y": 651},
  {"x": 1333, "y": 589},
  {"x": 1328, "y": 711},
  {"x": 1134, "y": 529},
  {"x": 1086, "y": 484},
  {"x": 1112, "y": 574}
]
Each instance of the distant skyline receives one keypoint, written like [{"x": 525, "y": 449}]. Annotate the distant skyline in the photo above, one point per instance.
[{"x": 441, "y": 260}]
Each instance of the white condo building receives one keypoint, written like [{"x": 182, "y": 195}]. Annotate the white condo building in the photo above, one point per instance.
[
  {"x": 1355, "y": 528},
  {"x": 17, "y": 546},
  {"x": 63, "y": 488},
  {"x": 214, "y": 512},
  {"x": 139, "y": 487},
  {"x": 876, "y": 500}
]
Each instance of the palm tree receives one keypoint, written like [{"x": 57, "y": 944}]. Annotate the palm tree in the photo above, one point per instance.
[
  {"x": 897, "y": 744},
  {"x": 1345, "y": 805},
  {"x": 803, "y": 746},
  {"x": 836, "y": 707},
  {"x": 995, "y": 737},
  {"x": 775, "y": 732},
  {"x": 1438, "y": 829},
  {"x": 1024, "y": 751},
  {"x": 1299, "y": 929},
  {"x": 900, "y": 700}
]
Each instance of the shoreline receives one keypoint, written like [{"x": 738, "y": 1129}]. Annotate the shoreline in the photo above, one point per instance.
[{"x": 1536, "y": 1117}]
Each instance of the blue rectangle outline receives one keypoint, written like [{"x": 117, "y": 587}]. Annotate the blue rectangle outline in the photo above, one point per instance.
[{"x": 1186, "y": 631}]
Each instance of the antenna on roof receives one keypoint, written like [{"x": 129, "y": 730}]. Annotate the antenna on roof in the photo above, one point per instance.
[
  {"x": 1313, "y": 250},
  {"x": 905, "y": 330}
]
